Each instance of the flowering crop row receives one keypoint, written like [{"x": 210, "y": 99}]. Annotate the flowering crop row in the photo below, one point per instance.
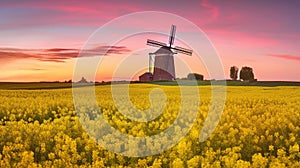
[{"x": 260, "y": 127}]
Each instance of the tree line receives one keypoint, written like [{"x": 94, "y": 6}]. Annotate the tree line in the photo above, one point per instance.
[{"x": 246, "y": 73}]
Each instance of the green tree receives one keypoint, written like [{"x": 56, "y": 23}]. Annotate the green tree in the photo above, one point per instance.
[
  {"x": 246, "y": 74},
  {"x": 234, "y": 72}
]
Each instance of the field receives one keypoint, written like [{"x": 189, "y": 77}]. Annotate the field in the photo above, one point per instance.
[
  {"x": 59, "y": 85},
  {"x": 260, "y": 127}
]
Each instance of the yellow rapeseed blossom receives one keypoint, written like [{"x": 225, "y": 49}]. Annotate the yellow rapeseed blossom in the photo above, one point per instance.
[{"x": 259, "y": 127}]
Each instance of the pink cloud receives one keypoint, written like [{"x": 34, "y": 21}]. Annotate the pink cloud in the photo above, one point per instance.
[
  {"x": 58, "y": 54},
  {"x": 285, "y": 56},
  {"x": 213, "y": 9},
  {"x": 241, "y": 39},
  {"x": 79, "y": 13}
]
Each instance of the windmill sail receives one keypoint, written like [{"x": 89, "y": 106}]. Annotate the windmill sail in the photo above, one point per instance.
[
  {"x": 183, "y": 50},
  {"x": 151, "y": 62},
  {"x": 172, "y": 35},
  {"x": 156, "y": 43}
]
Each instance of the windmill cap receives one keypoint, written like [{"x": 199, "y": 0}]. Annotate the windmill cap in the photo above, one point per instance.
[{"x": 163, "y": 51}]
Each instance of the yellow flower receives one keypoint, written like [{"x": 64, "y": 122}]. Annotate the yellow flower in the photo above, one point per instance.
[
  {"x": 294, "y": 148},
  {"x": 271, "y": 147}
]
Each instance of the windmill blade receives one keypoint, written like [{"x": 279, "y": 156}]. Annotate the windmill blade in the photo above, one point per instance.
[
  {"x": 172, "y": 35},
  {"x": 151, "y": 62},
  {"x": 155, "y": 43},
  {"x": 183, "y": 50}
]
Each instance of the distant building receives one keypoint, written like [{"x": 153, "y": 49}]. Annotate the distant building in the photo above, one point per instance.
[
  {"x": 83, "y": 80},
  {"x": 146, "y": 77},
  {"x": 193, "y": 76}
]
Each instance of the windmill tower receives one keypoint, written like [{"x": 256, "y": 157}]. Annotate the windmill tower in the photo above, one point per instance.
[{"x": 164, "y": 68}]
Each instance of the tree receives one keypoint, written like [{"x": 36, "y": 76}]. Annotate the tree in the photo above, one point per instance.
[
  {"x": 246, "y": 73},
  {"x": 234, "y": 72},
  {"x": 192, "y": 76}
]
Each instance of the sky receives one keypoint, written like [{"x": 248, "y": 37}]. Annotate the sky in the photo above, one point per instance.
[{"x": 40, "y": 40}]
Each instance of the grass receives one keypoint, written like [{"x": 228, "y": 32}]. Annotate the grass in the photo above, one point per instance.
[
  {"x": 34, "y": 85},
  {"x": 59, "y": 85}
]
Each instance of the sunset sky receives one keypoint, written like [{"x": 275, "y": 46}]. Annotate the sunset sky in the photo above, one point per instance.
[{"x": 40, "y": 40}]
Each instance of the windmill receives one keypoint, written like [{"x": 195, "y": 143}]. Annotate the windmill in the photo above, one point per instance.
[{"x": 164, "y": 68}]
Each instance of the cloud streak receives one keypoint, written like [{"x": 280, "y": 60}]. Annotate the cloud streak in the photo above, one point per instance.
[
  {"x": 59, "y": 55},
  {"x": 285, "y": 56},
  {"x": 213, "y": 9}
]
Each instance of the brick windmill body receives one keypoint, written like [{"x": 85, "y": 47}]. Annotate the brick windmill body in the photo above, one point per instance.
[{"x": 164, "y": 68}]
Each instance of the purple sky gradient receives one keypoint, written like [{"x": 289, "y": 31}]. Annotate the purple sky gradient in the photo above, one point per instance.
[{"x": 264, "y": 35}]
